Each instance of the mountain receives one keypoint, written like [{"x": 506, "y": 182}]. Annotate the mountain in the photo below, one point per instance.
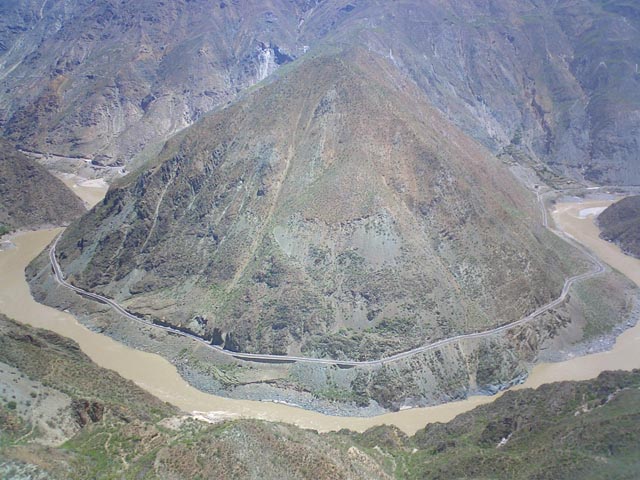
[
  {"x": 113, "y": 429},
  {"x": 332, "y": 211},
  {"x": 106, "y": 79},
  {"x": 568, "y": 430},
  {"x": 30, "y": 196},
  {"x": 541, "y": 81},
  {"x": 620, "y": 223}
]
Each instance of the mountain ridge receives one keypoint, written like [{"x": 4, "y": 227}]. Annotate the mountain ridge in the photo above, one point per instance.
[
  {"x": 552, "y": 82},
  {"x": 30, "y": 197}
]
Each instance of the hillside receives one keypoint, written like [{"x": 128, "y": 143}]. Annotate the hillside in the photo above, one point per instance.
[
  {"x": 546, "y": 81},
  {"x": 333, "y": 211},
  {"x": 568, "y": 430},
  {"x": 112, "y": 429},
  {"x": 620, "y": 223},
  {"x": 30, "y": 196}
]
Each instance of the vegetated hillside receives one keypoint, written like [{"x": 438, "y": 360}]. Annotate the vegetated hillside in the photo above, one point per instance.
[
  {"x": 620, "y": 223},
  {"x": 568, "y": 430},
  {"x": 332, "y": 211},
  {"x": 113, "y": 429},
  {"x": 553, "y": 81},
  {"x": 30, "y": 196}
]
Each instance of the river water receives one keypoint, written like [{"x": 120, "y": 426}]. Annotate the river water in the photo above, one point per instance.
[
  {"x": 160, "y": 377},
  {"x": 577, "y": 220}
]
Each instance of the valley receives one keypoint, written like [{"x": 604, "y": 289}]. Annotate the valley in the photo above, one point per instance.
[
  {"x": 112, "y": 428},
  {"x": 159, "y": 377}
]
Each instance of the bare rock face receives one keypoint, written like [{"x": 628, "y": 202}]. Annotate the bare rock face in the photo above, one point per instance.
[
  {"x": 30, "y": 196},
  {"x": 87, "y": 411},
  {"x": 106, "y": 79},
  {"x": 550, "y": 81},
  {"x": 333, "y": 211}
]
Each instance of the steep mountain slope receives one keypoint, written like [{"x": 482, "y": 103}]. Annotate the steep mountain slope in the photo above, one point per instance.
[
  {"x": 333, "y": 200},
  {"x": 620, "y": 223},
  {"x": 30, "y": 196},
  {"x": 569, "y": 430},
  {"x": 541, "y": 80},
  {"x": 554, "y": 80},
  {"x": 105, "y": 79}
]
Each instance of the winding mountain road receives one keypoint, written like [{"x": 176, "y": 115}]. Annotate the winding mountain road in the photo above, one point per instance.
[{"x": 598, "y": 268}]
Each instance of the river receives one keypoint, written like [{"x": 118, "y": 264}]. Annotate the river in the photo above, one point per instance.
[
  {"x": 577, "y": 220},
  {"x": 160, "y": 377}
]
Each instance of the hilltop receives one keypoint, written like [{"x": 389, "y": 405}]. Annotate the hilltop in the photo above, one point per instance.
[
  {"x": 332, "y": 212},
  {"x": 620, "y": 223},
  {"x": 30, "y": 197}
]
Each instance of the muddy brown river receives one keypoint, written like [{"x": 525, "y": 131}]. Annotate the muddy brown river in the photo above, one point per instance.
[{"x": 159, "y": 377}]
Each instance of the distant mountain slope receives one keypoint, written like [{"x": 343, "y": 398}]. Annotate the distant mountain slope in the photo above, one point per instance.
[
  {"x": 30, "y": 196},
  {"x": 620, "y": 223},
  {"x": 334, "y": 200},
  {"x": 105, "y": 79},
  {"x": 555, "y": 81}
]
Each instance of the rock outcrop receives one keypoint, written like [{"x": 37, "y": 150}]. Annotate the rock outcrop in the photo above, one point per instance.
[{"x": 620, "y": 223}]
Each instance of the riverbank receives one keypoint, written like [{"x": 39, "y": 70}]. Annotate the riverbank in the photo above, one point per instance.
[{"x": 161, "y": 378}]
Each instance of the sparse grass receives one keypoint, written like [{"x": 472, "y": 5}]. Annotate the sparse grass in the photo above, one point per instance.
[
  {"x": 58, "y": 363},
  {"x": 604, "y": 303},
  {"x": 336, "y": 394}
]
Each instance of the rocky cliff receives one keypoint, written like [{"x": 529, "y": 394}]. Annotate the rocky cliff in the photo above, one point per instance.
[
  {"x": 620, "y": 223},
  {"x": 106, "y": 79}
]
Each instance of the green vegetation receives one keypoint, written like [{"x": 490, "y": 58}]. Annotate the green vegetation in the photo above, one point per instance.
[
  {"x": 58, "y": 363},
  {"x": 581, "y": 430},
  {"x": 566, "y": 430},
  {"x": 602, "y": 303},
  {"x": 336, "y": 394}
]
